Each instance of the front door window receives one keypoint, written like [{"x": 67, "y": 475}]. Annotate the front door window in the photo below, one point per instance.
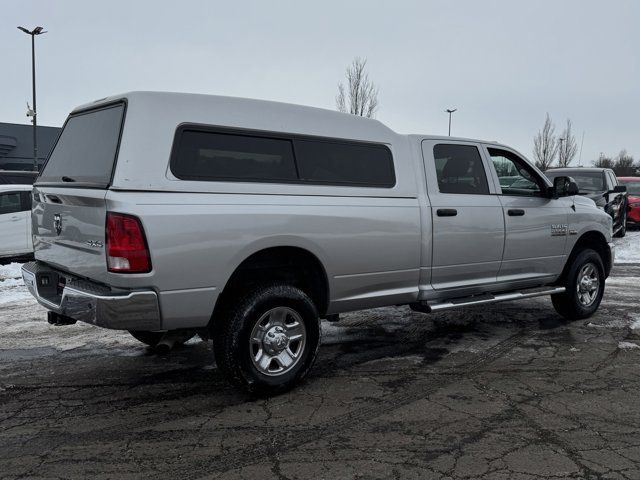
[{"x": 515, "y": 176}]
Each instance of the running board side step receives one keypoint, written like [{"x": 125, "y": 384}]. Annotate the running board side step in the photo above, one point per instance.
[{"x": 428, "y": 307}]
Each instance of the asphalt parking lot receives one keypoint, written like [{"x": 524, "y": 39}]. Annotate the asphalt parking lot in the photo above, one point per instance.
[{"x": 507, "y": 391}]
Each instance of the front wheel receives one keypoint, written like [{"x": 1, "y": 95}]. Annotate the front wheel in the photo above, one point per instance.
[
  {"x": 585, "y": 287},
  {"x": 269, "y": 340},
  {"x": 622, "y": 231}
]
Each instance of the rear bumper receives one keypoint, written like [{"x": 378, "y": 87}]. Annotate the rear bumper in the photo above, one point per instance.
[{"x": 92, "y": 303}]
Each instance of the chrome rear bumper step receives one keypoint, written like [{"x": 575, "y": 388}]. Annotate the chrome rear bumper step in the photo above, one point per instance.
[{"x": 428, "y": 307}]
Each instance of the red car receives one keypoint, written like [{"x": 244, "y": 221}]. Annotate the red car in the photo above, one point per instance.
[{"x": 633, "y": 191}]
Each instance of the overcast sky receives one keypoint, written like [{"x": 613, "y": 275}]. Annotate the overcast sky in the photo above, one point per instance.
[{"x": 503, "y": 64}]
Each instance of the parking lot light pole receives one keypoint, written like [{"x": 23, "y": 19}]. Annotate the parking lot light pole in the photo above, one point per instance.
[
  {"x": 450, "y": 111},
  {"x": 33, "y": 33}
]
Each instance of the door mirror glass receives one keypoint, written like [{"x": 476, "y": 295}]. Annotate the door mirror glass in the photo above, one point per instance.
[
  {"x": 564, "y": 186},
  {"x": 619, "y": 189}
]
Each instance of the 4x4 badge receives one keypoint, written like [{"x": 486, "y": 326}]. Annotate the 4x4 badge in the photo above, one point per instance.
[{"x": 57, "y": 223}]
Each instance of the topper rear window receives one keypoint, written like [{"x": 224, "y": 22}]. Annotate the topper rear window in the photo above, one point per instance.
[{"x": 86, "y": 151}]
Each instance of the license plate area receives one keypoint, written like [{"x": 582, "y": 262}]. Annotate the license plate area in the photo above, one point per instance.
[{"x": 50, "y": 286}]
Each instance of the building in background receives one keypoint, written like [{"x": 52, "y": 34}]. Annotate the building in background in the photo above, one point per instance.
[{"x": 16, "y": 145}]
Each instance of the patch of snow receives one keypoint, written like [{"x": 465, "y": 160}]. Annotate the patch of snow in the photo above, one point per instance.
[
  {"x": 12, "y": 287},
  {"x": 614, "y": 323},
  {"x": 628, "y": 248},
  {"x": 12, "y": 270},
  {"x": 636, "y": 323},
  {"x": 627, "y": 345}
]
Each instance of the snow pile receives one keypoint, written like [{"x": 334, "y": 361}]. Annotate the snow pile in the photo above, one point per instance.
[
  {"x": 12, "y": 288},
  {"x": 628, "y": 248},
  {"x": 627, "y": 345}
]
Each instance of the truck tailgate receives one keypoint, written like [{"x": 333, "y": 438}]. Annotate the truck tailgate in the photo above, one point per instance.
[{"x": 69, "y": 229}]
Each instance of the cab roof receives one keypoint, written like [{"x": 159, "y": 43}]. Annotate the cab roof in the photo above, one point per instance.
[{"x": 579, "y": 169}]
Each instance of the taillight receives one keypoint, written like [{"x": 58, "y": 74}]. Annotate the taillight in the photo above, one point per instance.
[{"x": 127, "y": 250}]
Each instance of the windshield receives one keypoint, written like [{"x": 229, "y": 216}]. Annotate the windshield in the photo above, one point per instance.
[
  {"x": 587, "y": 181},
  {"x": 633, "y": 186},
  {"x": 86, "y": 150}
]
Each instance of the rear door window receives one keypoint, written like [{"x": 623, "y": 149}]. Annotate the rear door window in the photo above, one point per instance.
[
  {"x": 86, "y": 150},
  {"x": 459, "y": 169},
  {"x": 10, "y": 203},
  {"x": 26, "y": 201}
]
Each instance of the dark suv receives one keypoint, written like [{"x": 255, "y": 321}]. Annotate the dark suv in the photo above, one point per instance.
[{"x": 601, "y": 186}]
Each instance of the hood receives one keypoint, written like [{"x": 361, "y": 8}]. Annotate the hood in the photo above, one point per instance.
[
  {"x": 633, "y": 198},
  {"x": 584, "y": 200},
  {"x": 597, "y": 197}
]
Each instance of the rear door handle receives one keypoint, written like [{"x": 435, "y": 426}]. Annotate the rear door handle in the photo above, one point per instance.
[
  {"x": 447, "y": 212},
  {"x": 516, "y": 212}
]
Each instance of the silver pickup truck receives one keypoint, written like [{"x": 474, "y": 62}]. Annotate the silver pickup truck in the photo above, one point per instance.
[{"x": 247, "y": 221}]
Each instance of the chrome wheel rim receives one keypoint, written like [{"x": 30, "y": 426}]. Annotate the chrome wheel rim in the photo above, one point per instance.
[
  {"x": 588, "y": 284},
  {"x": 277, "y": 341}
]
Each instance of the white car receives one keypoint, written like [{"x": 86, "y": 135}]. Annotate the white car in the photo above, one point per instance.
[{"x": 15, "y": 221}]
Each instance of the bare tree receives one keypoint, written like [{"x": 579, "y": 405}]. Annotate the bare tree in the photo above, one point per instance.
[
  {"x": 603, "y": 161},
  {"x": 624, "y": 164},
  {"x": 360, "y": 96},
  {"x": 545, "y": 145},
  {"x": 568, "y": 146}
]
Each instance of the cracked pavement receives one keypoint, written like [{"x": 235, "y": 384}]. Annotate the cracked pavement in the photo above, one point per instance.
[{"x": 505, "y": 391}]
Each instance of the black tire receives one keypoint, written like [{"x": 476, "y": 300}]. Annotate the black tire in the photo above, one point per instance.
[
  {"x": 235, "y": 352},
  {"x": 623, "y": 223},
  {"x": 148, "y": 338},
  {"x": 572, "y": 304}
]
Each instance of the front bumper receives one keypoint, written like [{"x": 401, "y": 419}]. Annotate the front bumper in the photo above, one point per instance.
[
  {"x": 612, "y": 249},
  {"x": 633, "y": 217},
  {"x": 90, "y": 302}
]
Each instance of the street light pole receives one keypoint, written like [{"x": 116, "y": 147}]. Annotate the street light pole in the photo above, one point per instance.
[
  {"x": 450, "y": 111},
  {"x": 33, "y": 33}
]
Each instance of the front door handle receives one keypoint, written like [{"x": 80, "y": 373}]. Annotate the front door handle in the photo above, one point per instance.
[
  {"x": 516, "y": 212},
  {"x": 447, "y": 212}
]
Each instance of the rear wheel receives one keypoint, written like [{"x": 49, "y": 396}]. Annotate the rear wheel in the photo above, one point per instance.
[
  {"x": 269, "y": 340},
  {"x": 585, "y": 287}
]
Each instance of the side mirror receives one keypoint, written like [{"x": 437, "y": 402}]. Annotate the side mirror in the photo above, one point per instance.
[
  {"x": 565, "y": 186},
  {"x": 619, "y": 189}
]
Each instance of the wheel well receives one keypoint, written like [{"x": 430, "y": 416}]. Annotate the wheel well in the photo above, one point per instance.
[
  {"x": 595, "y": 241},
  {"x": 292, "y": 265}
]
